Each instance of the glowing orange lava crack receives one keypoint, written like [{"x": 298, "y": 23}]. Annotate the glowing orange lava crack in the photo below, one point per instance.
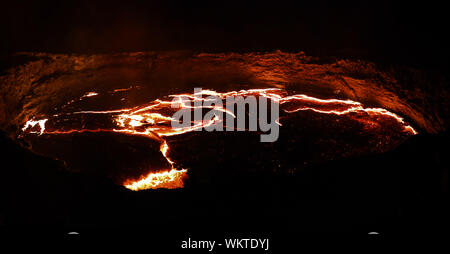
[{"x": 154, "y": 121}]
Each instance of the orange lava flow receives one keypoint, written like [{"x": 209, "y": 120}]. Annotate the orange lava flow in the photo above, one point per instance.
[
  {"x": 153, "y": 120},
  {"x": 166, "y": 179},
  {"x": 170, "y": 179}
]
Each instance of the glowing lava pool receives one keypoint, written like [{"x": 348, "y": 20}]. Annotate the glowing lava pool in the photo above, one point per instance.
[{"x": 111, "y": 115}]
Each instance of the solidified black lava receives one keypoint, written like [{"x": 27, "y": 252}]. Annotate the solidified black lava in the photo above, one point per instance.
[
  {"x": 113, "y": 155},
  {"x": 326, "y": 173}
]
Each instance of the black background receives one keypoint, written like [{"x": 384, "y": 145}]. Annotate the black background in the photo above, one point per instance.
[{"x": 413, "y": 33}]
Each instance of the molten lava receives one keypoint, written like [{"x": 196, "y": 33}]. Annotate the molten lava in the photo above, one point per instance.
[
  {"x": 153, "y": 120},
  {"x": 166, "y": 179}
]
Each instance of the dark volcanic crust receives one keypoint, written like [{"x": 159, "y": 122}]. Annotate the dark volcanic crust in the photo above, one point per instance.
[{"x": 49, "y": 80}]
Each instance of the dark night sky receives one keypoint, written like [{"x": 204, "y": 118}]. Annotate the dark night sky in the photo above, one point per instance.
[{"x": 406, "y": 33}]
